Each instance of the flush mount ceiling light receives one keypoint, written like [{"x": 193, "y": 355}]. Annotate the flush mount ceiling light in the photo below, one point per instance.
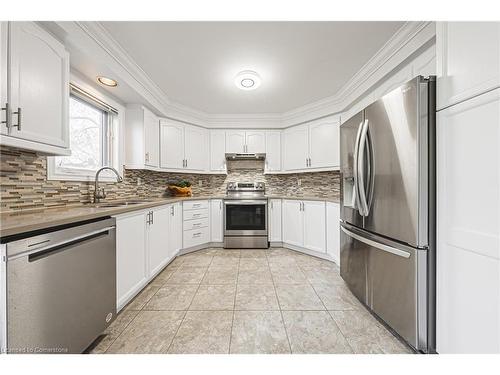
[
  {"x": 107, "y": 81},
  {"x": 247, "y": 80}
]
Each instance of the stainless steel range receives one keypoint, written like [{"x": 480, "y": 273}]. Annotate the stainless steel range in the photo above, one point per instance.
[{"x": 245, "y": 216}]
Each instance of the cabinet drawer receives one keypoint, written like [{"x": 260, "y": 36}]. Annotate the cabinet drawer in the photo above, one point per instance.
[
  {"x": 195, "y": 205},
  {"x": 196, "y": 237},
  {"x": 195, "y": 214},
  {"x": 195, "y": 224}
]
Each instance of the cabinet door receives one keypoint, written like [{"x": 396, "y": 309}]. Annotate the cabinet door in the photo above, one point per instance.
[
  {"x": 196, "y": 148},
  {"x": 275, "y": 220},
  {"x": 468, "y": 60},
  {"x": 172, "y": 144},
  {"x": 3, "y": 75},
  {"x": 315, "y": 226},
  {"x": 256, "y": 142},
  {"x": 324, "y": 143},
  {"x": 235, "y": 142},
  {"x": 468, "y": 226},
  {"x": 151, "y": 139},
  {"x": 333, "y": 231},
  {"x": 38, "y": 84},
  {"x": 131, "y": 267},
  {"x": 217, "y": 150},
  {"x": 273, "y": 151},
  {"x": 175, "y": 231},
  {"x": 293, "y": 222},
  {"x": 295, "y": 147},
  {"x": 216, "y": 220},
  {"x": 158, "y": 241}
]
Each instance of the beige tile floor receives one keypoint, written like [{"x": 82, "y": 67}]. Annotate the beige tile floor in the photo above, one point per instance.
[{"x": 247, "y": 301}]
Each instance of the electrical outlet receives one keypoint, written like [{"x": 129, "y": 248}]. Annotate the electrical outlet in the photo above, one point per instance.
[
  {"x": 200, "y": 183},
  {"x": 299, "y": 182},
  {"x": 139, "y": 181}
]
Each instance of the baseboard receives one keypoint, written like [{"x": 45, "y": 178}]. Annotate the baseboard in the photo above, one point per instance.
[
  {"x": 203, "y": 246},
  {"x": 309, "y": 252}
]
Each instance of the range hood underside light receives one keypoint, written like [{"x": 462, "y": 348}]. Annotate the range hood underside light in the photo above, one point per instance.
[{"x": 235, "y": 156}]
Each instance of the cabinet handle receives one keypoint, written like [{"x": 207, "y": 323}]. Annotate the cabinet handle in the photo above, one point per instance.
[
  {"x": 172, "y": 211},
  {"x": 196, "y": 204},
  {"x": 310, "y": 162},
  {"x": 147, "y": 156},
  {"x": 196, "y": 215},
  {"x": 186, "y": 163},
  {"x": 220, "y": 205},
  {"x": 271, "y": 205},
  {"x": 18, "y": 113},
  {"x": 6, "y": 121},
  {"x": 196, "y": 225},
  {"x": 197, "y": 234}
]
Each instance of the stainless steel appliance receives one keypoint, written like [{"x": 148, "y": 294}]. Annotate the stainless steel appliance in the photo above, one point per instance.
[
  {"x": 245, "y": 215},
  {"x": 61, "y": 288},
  {"x": 245, "y": 156},
  {"x": 387, "y": 254}
]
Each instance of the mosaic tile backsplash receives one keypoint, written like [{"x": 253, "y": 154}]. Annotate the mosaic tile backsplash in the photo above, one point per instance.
[{"x": 24, "y": 184}]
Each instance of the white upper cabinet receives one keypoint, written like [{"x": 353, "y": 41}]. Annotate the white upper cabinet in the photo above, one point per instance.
[
  {"x": 273, "y": 151},
  {"x": 324, "y": 143},
  {"x": 195, "y": 148},
  {"x": 183, "y": 147},
  {"x": 235, "y": 141},
  {"x": 312, "y": 146},
  {"x": 255, "y": 142},
  {"x": 142, "y": 133},
  {"x": 468, "y": 60},
  {"x": 250, "y": 141},
  {"x": 3, "y": 77},
  {"x": 218, "y": 151},
  {"x": 37, "y": 89},
  {"x": 171, "y": 144},
  {"x": 296, "y": 147},
  {"x": 151, "y": 139}
]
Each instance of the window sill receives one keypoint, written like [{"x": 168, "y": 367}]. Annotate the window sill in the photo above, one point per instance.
[{"x": 57, "y": 176}]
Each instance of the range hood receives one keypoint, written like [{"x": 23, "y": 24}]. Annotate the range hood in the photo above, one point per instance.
[{"x": 245, "y": 156}]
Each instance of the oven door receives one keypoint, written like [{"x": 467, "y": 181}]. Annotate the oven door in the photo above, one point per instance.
[{"x": 245, "y": 217}]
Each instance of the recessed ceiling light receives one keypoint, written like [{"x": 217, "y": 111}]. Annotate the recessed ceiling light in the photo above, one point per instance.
[
  {"x": 247, "y": 80},
  {"x": 107, "y": 81}
]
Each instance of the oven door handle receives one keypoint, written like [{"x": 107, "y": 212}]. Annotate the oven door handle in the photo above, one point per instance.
[{"x": 245, "y": 202}]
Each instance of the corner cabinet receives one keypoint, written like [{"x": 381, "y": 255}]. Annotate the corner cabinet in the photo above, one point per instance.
[
  {"x": 273, "y": 151},
  {"x": 183, "y": 148},
  {"x": 142, "y": 144},
  {"x": 275, "y": 232},
  {"x": 218, "y": 151},
  {"x": 313, "y": 146},
  {"x": 34, "y": 72},
  {"x": 216, "y": 220}
]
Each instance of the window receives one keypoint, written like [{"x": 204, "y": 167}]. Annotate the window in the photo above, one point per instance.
[{"x": 92, "y": 125}]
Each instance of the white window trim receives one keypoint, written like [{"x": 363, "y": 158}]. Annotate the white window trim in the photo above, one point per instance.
[{"x": 85, "y": 175}]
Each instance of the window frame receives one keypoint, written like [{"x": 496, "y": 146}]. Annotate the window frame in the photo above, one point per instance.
[{"x": 114, "y": 146}]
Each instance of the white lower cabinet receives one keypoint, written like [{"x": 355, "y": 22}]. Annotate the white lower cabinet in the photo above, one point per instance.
[
  {"x": 216, "y": 220},
  {"x": 196, "y": 229},
  {"x": 314, "y": 225},
  {"x": 293, "y": 223},
  {"x": 145, "y": 242},
  {"x": 333, "y": 231},
  {"x": 158, "y": 238},
  {"x": 275, "y": 232},
  {"x": 131, "y": 257}
]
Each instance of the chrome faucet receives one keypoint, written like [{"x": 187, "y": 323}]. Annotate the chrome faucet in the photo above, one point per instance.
[{"x": 99, "y": 193}]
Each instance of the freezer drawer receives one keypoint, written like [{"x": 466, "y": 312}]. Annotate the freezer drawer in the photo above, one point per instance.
[{"x": 394, "y": 280}]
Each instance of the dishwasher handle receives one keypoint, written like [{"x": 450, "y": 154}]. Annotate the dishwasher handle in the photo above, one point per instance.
[{"x": 42, "y": 252}]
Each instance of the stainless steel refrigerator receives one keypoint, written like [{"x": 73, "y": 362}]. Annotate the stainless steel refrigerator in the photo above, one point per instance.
[{"x": 387, "y": 254}]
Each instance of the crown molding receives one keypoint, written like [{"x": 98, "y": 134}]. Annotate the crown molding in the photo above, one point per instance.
[{"x": 408, "y": 39}]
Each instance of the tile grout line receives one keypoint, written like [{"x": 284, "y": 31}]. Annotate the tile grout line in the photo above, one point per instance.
[
  {"x": 186, "y": 311},
  {"x": 123, "y": 330},
  {"x": 234, "y": 304},
  {"x": 279, "y": 306}
]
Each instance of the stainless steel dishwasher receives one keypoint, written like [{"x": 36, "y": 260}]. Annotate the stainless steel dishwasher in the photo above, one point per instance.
[{"x": 61, "y": 288}]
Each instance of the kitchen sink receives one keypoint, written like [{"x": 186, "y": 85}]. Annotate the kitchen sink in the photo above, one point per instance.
[{"x": 120, "y": 203}]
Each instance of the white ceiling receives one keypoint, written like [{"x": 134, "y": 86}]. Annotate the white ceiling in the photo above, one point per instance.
[{"x": 194, "y": 63}]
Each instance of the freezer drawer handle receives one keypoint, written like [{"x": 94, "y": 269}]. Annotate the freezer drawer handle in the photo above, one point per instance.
[{"x": 378, "y": 245}]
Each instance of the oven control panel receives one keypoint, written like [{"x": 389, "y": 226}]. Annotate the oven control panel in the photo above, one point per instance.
[{"x": 246, "y": 186}]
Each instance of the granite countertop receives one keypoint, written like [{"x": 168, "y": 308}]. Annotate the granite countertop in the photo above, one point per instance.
[{"x": 17, "y": 222}]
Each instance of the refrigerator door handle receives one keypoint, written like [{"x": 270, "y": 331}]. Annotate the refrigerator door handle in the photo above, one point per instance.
[
  {"x": 355, "y": 165},
  {"x": 376, "y": 244},
  {"x": 361, "y": 170}
]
